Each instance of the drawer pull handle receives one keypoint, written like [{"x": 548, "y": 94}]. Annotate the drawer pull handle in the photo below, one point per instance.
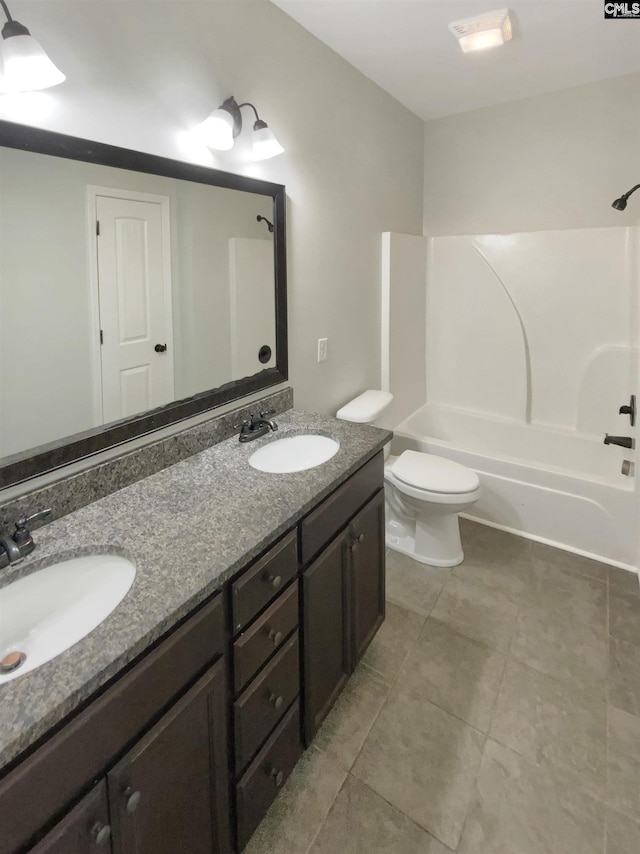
[
  {"x": 132, "y": 798},
  {"x": 277, "y": 777},
  {"x": 274, "y": 580},
  {"x": 101, "y": 834},
  {"x": 275, "y": 637},
  {"x": 276, "y": 700}
]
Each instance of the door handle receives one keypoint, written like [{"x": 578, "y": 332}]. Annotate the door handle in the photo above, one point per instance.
[{"x": 160, "y": 348}]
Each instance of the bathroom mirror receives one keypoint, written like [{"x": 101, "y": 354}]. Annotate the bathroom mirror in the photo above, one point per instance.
[{"x": 135, "y": 291}]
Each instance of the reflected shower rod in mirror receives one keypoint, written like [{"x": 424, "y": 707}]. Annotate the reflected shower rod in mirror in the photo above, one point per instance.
[{"x": 24, "y": 66}]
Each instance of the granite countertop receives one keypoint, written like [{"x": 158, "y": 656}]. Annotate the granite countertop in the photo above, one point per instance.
[{"x": 188, "y": 529}]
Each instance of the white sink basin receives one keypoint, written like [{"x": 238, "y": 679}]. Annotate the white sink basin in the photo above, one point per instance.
[
  {"x": 295, "y": 453},
  {"x": 43, "y": 614}
]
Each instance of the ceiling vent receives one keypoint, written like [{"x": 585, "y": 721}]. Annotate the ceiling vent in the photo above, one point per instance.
[{"x": 489, "y": 30}]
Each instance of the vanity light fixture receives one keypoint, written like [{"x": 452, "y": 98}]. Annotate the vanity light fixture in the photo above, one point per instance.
[
  {"x": 489, "y": 30},
  {"x": 24, "y": 66},
  {"x": 621, "y": 203},
  {"x": 223, "y": 125}
]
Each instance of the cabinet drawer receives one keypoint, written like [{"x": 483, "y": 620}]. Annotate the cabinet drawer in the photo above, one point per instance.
[
  {"x": 264, "y": 702},
  {"x": 255, "y": 646},
  {"x": 266, "y": 774},
  {"x": 323, "y": 523},
  {"x": 83, "y": 747},
  {"x": 261, "y": 582}
]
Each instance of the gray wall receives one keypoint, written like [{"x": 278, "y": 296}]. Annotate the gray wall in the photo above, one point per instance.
[{"x": 553, "y": 161}]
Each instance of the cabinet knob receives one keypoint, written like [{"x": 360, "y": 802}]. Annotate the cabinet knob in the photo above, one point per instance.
[
  {"x": 275, "y": 637},
  {"x": 101, "y": 834},
  {"x": 273, "y": 580},
  {"x": 276, "y": 700},
  {"x": 353, "y": 546},
  {"x": 277, "y": 777},
  {"x": 132, "y": 799}
]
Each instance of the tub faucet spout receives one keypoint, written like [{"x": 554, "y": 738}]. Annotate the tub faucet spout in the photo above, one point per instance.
[{"x": 623, "y": 441}]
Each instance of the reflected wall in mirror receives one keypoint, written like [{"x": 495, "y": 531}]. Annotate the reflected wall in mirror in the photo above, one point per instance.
[{"x": 135, "y": 291}]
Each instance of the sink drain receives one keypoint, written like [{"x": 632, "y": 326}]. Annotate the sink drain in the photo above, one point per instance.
[{"x": 12, "y": 661}]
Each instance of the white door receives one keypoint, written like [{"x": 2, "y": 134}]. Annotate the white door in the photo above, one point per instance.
[
  {"x": 252, "y": 288},
  {"x": 134, "y": 285}
]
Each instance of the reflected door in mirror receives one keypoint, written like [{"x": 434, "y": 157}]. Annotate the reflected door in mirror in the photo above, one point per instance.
[{"x": 134, "y": 285}]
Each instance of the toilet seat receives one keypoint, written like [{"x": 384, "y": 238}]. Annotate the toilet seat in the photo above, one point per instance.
[
  {"x": 431, "y": 478},
  {"x": 435, "y": 474}
]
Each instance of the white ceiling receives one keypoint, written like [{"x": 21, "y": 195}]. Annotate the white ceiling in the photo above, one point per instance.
[{"x": 406, "y": 48}]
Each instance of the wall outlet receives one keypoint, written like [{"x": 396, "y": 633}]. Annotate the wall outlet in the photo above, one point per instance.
[{"x": 322, "y": 349}]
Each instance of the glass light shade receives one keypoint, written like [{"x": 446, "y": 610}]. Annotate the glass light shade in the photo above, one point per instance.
[
  {"x": 217, "y": 130},
  {"x": 481, "y": 40},
  {"x": 25, "y": 66},
  {"x": 265, "y": 144}
]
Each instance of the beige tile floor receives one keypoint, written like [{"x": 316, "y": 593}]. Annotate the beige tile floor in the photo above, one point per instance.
[{"x": 497, "y": 711}]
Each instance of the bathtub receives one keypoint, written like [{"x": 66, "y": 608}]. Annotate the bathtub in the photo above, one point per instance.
[{"x": 552, "y": 485}]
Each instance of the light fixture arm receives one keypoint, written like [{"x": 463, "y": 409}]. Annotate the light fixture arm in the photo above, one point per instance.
[
  {"x": 233, "y": 108},
  {"x": 12, "y": 27},
  {"x": 621, "y": 203},
  {"x": 258, "y": 122}
]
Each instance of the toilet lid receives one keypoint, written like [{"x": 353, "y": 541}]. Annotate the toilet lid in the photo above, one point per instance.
[{"x": 434, "y": 474}]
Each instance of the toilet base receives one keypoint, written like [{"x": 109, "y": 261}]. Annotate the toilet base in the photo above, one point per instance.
[{"x": 435, "y": 541}]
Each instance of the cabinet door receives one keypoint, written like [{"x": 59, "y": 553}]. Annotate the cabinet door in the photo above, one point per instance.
[
  {"x": 366, "y": 552},
  {"x": 327, "y": 661},
  {"x": 169, "y": 794},
  {"x": 85, "y": 830}
]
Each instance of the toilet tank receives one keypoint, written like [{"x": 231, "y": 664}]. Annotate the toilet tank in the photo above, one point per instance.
[{"x": 365, "y": 408}]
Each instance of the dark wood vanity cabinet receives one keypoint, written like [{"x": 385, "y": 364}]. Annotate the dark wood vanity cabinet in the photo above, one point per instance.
[
  {"x": 366, "y": 575},
  {"x": 184, "y": 752},
  {"x": 167, "y": 707},
  {"x": 169, "y": 793},
  {"x": 166, "y": 795},
  {"x": 343, "y": 590}
]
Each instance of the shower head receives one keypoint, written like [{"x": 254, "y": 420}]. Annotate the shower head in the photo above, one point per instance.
[{"x": 621, "y": 203}]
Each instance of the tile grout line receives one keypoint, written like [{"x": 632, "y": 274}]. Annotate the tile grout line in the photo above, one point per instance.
[{"x": 326, "y": 816}]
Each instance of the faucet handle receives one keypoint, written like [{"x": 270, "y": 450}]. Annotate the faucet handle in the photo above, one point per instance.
[
  {"x": 35, "y": 517},
  {"x": 629, "y": 410},
  {"x": 22, "y": 535},
  {"x": 267, "y": 413}
]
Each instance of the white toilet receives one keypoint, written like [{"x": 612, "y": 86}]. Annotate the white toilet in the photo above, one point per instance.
[{"x": 423, "y": 493}]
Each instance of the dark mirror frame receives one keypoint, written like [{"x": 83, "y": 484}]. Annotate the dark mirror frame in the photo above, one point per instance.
[{"x": 36, "y": 461}]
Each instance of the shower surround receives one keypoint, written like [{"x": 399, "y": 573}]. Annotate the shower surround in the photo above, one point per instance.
[{"x": 531, "y": 345}]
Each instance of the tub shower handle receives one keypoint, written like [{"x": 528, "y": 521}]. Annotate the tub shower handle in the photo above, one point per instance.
[
  {"x": 623, "y": 441},
  {"x": 629, "y": 409}
]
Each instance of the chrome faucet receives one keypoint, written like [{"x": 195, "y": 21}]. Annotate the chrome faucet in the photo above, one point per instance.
[
  {"x": 20, "y": 543},
  {"x": 254, "y": 427}
]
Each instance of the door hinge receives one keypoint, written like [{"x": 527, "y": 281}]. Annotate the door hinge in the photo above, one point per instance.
[
  {"x": 98, "y": 227},
  {"x": 101, "y": 337}
]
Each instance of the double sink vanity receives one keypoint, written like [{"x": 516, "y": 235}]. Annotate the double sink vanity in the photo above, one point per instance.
[
  {"x": 172, "y": 725},
  {"x": 163, "y": 713}
]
